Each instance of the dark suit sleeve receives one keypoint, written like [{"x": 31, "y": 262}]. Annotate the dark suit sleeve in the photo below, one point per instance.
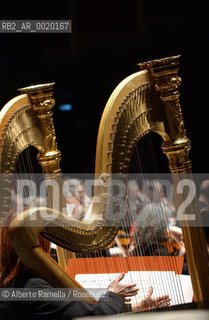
[{"x": 110, "y": 303}]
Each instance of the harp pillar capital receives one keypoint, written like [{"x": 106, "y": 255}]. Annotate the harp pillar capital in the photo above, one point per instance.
[
  {"x": 164, "y": 74},
  {"x": 43, "y": 102}
]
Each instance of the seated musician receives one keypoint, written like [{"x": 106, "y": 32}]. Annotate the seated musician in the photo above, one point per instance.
[
  {"x": 76, "y": 197},
  {"x": 15, "y": 275},
  {"x": 152, "y": 234}
]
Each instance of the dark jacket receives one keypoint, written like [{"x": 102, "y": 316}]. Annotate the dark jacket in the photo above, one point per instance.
[{"x": 110, "y": 303}]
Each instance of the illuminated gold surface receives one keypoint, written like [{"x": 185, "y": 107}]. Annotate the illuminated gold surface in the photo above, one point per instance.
[
  {"x": 28, "y": 122},
  {"x": 147, "y": 101},
  {"x": 19, "y": 128},
  {"x": 165, "y": 78}
]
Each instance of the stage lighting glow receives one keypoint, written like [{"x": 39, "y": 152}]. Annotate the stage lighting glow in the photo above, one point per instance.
[{"x": 65, "y": 107}]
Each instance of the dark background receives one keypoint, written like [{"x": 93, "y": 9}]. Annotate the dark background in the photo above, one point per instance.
[{"x": 108, "y": 39}]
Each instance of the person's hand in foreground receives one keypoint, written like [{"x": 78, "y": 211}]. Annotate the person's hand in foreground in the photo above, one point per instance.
[
  {"x": 126, "y": 291},
  {"x": 149, "y": 303}
]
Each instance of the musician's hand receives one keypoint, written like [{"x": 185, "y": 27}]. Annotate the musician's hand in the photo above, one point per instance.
[
  {"x": 123, "y": 290},
  {"x": 151, "y": 303}
]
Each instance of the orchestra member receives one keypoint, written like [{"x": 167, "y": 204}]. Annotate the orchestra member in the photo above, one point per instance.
[{"x": 15, "y": 275}]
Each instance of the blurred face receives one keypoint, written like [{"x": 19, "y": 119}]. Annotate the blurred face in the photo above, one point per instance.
[
  {"x": 156, "y": 194},
  {"x": 161, "y": 191},
  {"x": 132, "y": 190},
  {"x": 80, "y": 193}
]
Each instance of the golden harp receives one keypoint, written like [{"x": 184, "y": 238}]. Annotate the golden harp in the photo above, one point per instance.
[{"x": 147, "y": 101}]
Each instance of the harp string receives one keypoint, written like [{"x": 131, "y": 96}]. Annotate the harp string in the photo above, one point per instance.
[
  {"x": 143, "y": 152},
  {"x": 132, "y": 107},
  {"x": 136, "y": 165},
  {"x": 143, "y": 168},
  {"x": 155, "y": 245},
  {"x": 154, "y": 242},
  {"x": 20, "y": 171},
  {"x": 134, "y": 103},
  {"x": 152, "y": 250},
  {"x": 171, "y": 264}
]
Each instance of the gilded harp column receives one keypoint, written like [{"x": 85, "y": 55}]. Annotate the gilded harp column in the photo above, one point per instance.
[
  {"x": 165, "y": 78},
  {"x": 41, "y": 97}
]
